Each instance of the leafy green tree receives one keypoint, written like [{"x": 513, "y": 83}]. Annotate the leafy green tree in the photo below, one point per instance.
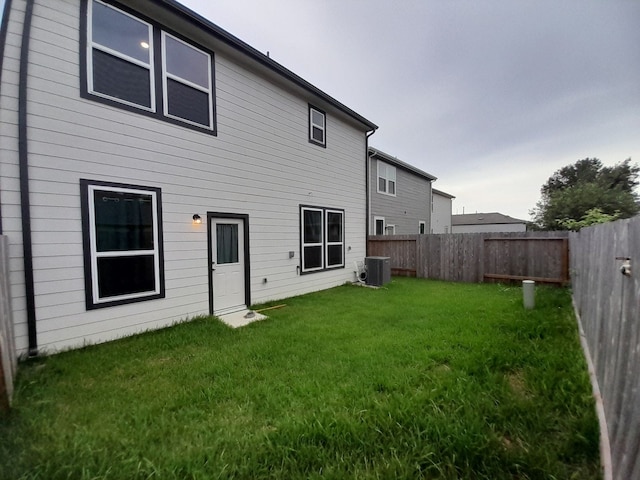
[
  {"x": 592, "y": 217},
  {"x": 587, "y": 191}
]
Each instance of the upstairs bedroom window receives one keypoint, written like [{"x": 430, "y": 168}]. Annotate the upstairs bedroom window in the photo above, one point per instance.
[
  {"x": 317, "y": 126},
  {"x": 122, "y": 239},
  {"x": 386, "y": 178},
  {"x": 322, "y": 238},
  {"x": 132, "y": 63}
]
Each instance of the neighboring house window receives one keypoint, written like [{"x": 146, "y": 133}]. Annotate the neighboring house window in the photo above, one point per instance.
[
  {"x": 322, "y": 238},
  {"x": 379, "y": 225},
  {"x": 422, "y": 227},
  {"x": 446, "y": 229},
  {"x": 390, "y": 230},
  {"x": 122, "y": 239},
  {"x": 386, "y": 178},
  {"x": 317, "y": 126},
  {"x": 127, "y": 57}
]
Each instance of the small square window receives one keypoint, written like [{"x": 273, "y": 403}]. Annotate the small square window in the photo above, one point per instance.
[{"x": 317, "y": 126}]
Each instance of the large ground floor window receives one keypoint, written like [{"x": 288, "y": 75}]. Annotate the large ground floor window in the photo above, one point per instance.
[
  {"x": 321, "y": 238},
  {"x": 122, "y": 238}
]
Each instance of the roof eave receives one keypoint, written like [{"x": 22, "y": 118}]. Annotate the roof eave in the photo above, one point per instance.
[
  {"x": 262, "y": 59},
  {"x": 399, "y": 163}
]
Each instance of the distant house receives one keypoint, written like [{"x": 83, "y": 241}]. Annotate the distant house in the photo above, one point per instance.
[
  {"x": 486, "y": 222},
  {"x": 399, "y": 196},
  {"x": 153, "y": 167},
  {"x": 441, "y": 206}
]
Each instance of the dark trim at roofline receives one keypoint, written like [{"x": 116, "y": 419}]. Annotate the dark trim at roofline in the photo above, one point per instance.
[
  {"x": 373, "y": 152},
  {"x": 23, "y": 160},
  {"x": 441, "y": 193},
  {"x": 3, "y": 40},
  {"x": 261, "y": 58}
]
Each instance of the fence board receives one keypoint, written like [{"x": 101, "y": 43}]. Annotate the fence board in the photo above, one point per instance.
[{"x": 8, "y": 362}]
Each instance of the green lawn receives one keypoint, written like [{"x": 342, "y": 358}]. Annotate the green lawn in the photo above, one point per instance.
[{"x": 420, "y": 379}]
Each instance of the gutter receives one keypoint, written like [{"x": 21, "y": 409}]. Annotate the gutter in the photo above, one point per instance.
[
  {"x": 367, "y": 194},
  {"x": 23, "y": 160}
]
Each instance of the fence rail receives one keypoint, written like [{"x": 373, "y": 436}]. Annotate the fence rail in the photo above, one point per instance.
[{"x": 477, "y": 257}]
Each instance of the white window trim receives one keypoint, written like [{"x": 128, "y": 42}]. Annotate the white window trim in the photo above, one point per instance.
[
  {"x": 375, "y": 220},
  {"x": 326, "y": 238},
  {"x": 389, "y": 229},
  {"x": 149, "y": 66},
  {"x": 95, "y": 255},
  {"x": 166, "y": 75},
  {"x": 315, "y": 244},
  {"x": 383, "y": 171},
  {"x": 321, "y": 127}
]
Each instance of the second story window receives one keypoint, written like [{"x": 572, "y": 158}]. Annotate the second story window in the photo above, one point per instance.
[
  {"x": 121, "y": 53},
  {"x": 317, "y": 126},
  {"x": 136, "y": 65},
  {"x": 186, "y": 77},
  {"x": 386, "y": 178}
]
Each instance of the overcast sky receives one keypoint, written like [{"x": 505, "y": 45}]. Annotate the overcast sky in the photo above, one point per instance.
[{"x": 489, "y": 96}]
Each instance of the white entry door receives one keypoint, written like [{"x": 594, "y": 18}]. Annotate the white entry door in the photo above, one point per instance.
[{"x": 227, "y": 265}]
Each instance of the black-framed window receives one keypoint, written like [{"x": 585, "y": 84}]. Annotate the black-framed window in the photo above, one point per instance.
[
  {"x": 321, "y": 238},
  {"x": 122, "y": 237},
  {"x": 135, "y": 64},
  {"x": 317, "y": 126}
]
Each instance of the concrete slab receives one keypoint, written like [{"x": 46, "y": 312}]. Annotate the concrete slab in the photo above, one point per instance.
[{"x": 241, "y": 318}]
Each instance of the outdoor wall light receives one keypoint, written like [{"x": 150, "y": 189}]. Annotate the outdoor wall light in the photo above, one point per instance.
[{"x": 196, "y": 219}]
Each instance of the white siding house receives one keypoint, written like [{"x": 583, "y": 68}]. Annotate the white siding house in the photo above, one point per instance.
[
  {"x": 155, "y": 168},
  {"x": 441, "y": 207},
  {"x": 399, "y": 196}
]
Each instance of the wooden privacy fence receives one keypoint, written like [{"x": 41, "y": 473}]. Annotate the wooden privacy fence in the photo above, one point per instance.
[
  {"x": 8, "y": 363},
  {"x": 607, "y": 304},
  {"x": 477, "y": 257}
]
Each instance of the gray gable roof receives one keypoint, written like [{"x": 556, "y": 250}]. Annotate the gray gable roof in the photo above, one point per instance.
[
  {"x": 246, "y": 49},
  {"x": 483, "y": 219},
  {"x": 442, "y": 194},
  {"x": 373, "y": 152}
]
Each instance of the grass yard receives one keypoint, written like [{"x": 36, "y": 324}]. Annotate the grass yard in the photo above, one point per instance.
[{"x": 421, "y": 379}]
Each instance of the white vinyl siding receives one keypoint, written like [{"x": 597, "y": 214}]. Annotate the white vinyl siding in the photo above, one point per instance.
[{"x": 260, "y": 164}]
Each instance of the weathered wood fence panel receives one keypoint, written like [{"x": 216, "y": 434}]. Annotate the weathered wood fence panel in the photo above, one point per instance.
[
  {"x": 8, "y": 363},
  {"x": 608, "y": 307},
  {"x": 477, "y": 257}
]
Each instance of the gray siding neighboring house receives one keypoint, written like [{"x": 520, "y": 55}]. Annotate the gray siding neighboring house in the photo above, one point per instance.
[
  {"x": 486, "y": 222},
  {"x": 399, "y": 196},
  {"x": 441, "y": 208},
  {"x": 154, "y": 168}
]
